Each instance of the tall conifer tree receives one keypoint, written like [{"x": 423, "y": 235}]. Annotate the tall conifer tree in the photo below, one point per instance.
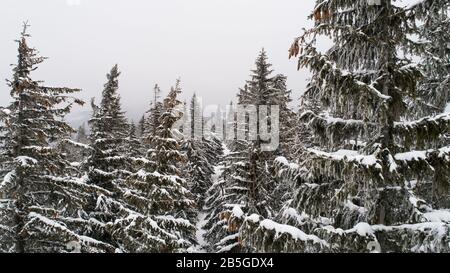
[{"x": 44, "y": 207}]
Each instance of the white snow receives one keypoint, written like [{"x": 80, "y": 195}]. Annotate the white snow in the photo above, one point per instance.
[
  {"x": 346, "y": 153},
  {"x": 351, "y": 156},
  {"x": 331, "y": 229},
  {"x": 46, "y": 220},
  {"x": 373, "y": 90},
  {"x": 435, "y": 119},
  {"x": 282, "y": 160},
  {"x": 237, "y": 212},
  {"x": 200, "y": 234},
  {"x": 436, "y": 228},
  {"x": 53, "y": 224},
  {"x": 414, "y": 201},
  {"x": 294, "y": 232},
  {"x": 6, "y": 111},
  {"x": 363, "y": 229},
  {"x": 331, "y": 120},
  {"x": 218, "y": 170},
  {"x": 26, "y": 161},
  {"x": 392, "y": 164},
  {"x": 173, "y": 220},
  {"x": 407, "y": 4},
  {"x": 421, "y": 155},
  {"x": 202, "y": 218},
  {"x": 438, "y": 216},
  {"x": 232, "y": 237},
  {"x": 291, "y": 213},
  {"x": 226, "y": 150},
  {"x": 254, "y": 218},
  {"x": 76, "y": 164},
  {"x": 143, "y": 174},
  {"x": 414, "y": 4},
  {"x": 412, "y": 156},
  {"x": 7, "y": 179},
  {"x": 349, "y": 204},
  {"x": 78, "y": 144},
  {"x": 445, "y": 151}
]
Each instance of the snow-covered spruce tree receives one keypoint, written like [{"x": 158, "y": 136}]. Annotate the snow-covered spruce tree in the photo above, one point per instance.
[
  {"x": 43, "y": 208},
  {"x": 264, "y": 90},
  {"x": 359, "y": 191},
  {"x": 165, "y": 207},
  {"x": 109, "y": 130},
  {"x": 199, "y": 168},
  {"x": 228, "y": 195},
  {"x": 109, "y": 162}
]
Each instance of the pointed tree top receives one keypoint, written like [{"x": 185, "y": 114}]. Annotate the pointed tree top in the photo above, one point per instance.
[
  {"x": 156, "y": 88},
  {"x": 115, "y": 71}
]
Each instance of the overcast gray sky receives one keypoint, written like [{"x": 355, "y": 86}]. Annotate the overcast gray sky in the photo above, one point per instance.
[{"x": 210, "y": 44}]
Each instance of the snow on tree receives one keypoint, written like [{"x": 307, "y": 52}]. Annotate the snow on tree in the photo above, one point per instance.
[
  {"x": 202, "y": 154},
  {"x": 262, "y": 90},
  {"x": 165, "y": 207},
  {"x": 109, "y": 130},
  {"x": 111, "y": 160},
  {"x": 245, "y": 182},
  {"x": 374, "y": 180},
  {"x": 43, "y": 207},
  {"x": 229, "y": 192}
]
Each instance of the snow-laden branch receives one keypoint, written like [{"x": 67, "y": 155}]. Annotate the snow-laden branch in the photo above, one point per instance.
[
  {"x": 50, "y": 227},
  {"x": 77, "y": 144},
  {"x": 256, "y": 230},
  {"x": 428, "y": 127},
  {"x": 25, "y": 161},
  {"x": 427, "y": 155},
  {"x": 350, "y": 156}
]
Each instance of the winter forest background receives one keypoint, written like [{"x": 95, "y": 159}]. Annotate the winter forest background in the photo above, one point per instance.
[{"x": 363, "y": 163}]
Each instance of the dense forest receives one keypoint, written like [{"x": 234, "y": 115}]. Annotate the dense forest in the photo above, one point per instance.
[{"x": 362, "y": 166}]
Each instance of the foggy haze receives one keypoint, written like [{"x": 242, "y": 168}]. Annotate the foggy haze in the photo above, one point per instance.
[{"x": 210, "y": 44}]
